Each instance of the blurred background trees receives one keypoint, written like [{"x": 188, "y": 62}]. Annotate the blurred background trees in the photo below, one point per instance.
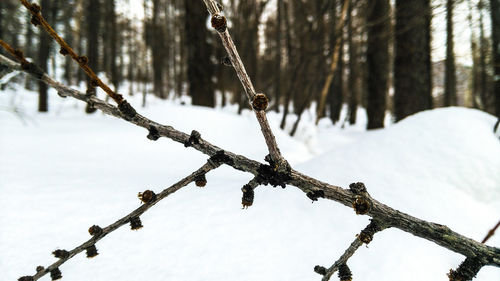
[{"x": 386, "y": 60}]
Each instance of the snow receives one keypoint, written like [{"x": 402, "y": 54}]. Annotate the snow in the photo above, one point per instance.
[{"x": 64, "y": 171}]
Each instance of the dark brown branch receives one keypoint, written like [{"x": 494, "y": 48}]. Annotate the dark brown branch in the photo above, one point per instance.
[
  {"x": 98, "y": 233},
  {"x": 490, "y": 233},
  {"x": 390, "y": 217},
  {"x": 38, "y": 19},
  {"x": 219, "y": 23}
]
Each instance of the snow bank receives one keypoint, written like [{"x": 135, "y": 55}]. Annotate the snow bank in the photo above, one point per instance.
[{"x": 64, "y": 171}]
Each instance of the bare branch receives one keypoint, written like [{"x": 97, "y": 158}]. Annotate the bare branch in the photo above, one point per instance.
[
  {"x": 490, "y": 233},
  {"x": 132, "y": 218},
  {"x": 366, "y": 236},
  {"x": 258, "y": 102},
  {"x": 356, "y": 197},
  {"x": 38, "y": 19}
]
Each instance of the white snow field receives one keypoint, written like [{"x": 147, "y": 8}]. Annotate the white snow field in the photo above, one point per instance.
[{"x": 64, "y": 171}]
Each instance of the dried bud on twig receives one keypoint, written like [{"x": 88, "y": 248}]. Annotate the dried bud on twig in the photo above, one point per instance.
[
  {"x": 248, "y": 195},
  {"x": 153, "y": 133},
  {"x": 260, "y": 102},
  {"x": 94, "y": 83},
  {"x": 35, "y": 20},
  {"x": 127, "y": 110},
  {"x": 92, "y": 251},
  {"x": 40, "y": 268},
  {"x": 147, "y": 196},
  {"x": 200, "y": 180},
  {"x": 357, "y": 187},
  {"x": 35, "y": 8},
  {"x": 60, "y": 254},
  {"x": 194, "y": 138},
  {"x": 55, "y": 274},
  {"x": 95, "y": 230},
  {"x": 135, "y": 223},
  {"x": 345, "y": 273},
  {"x": 315, "y": 194},
  {"x": 83, "y": 60},
  {"x": 226, "y": 61},
  {"x": 320, "y": 270},
  {"x": 361, "y": 205},
  {"x": 63, "y": 51},
  {"x": 219, "y": 23}
]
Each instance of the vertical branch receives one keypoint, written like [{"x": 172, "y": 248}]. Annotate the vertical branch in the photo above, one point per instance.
[{"x": 259, "y": 101}]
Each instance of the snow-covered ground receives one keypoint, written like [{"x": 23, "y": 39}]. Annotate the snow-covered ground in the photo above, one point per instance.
[{"x": 64, "y": 171}]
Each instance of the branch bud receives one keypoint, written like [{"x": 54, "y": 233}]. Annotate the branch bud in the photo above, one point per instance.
[
  {"x": 260, "y": 102},
  {"x": 219, "y": 23}
]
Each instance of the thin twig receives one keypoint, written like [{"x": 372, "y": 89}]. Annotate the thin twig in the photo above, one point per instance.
[
  {"x": 490, "y": 233},
  {"x": 365, "y": 236},
  {"x": 390, "y": 217},
  {"x": 38, "y": 19},
  {"x": 257, "y": 101},
  {"x": 210, "y": 165}
]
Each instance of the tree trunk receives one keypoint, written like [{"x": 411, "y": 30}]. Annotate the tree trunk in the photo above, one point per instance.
[
  {"x": 353, "y": 73},
  {"x": 158, "y": 51},
  {"x": 412, "y": 63},
  {"x": 199, "y": 67},
  {"x": 495, "y": 34},
  {"x": 277, "y": 96},
  {"x": 377, "y": 58},
  {"x": 93, "y": 19},
  {"x": 43, "y": 56},
  {"x": 483, "y": 94},
  {"x": 450, "y": 80},
  {"x": 288, "y": 40}
]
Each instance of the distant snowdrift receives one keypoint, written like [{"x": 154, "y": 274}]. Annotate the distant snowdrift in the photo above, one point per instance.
[{"x": 65, "y": 171}]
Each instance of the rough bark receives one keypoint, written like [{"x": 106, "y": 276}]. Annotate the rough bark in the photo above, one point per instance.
[
  {"x": 377, "y": 58},
  {"x": 495, "y": 34},
  {"x": 450, "y": 80},
  {"x": 412, "y": 62},
  {"x": 199, "y": 67},
  {"x": 43, "y": 56}
]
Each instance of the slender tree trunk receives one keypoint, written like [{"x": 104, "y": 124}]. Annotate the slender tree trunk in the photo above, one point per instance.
[
  {"x": 450, "y": 87},
  {"x": 483, "y": 94},
  {"x": 495, "y": 34},
  {"x": 277, "y": 96},
  {"x": 377, "y": 58},
  {"x": 43, "y": 56},
  {"x": 157, "y": 50},
  {"x": 412, "y": 63},
  {"x": 200, "y": 68},
  {"x": 113, "y": 49},
  {"x": 288, "y": 40},
  {"x": 353, "y": 73},
  {"x": 93, "y": 20},
  {"x": 28, "y": 48},
  {"x": 473, "y": 47}
]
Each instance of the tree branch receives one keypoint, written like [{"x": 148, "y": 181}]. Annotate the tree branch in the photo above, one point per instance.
[
  {"x": 355, "y": 197},
  {"x": 258, "y": 102},
  {"x": 149, "y": 199},
  {"x": 366, "y": 236}
]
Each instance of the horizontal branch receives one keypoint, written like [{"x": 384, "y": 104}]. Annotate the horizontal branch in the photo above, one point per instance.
[
  {"x": 99, "y": 233},
  {"x": 352, "y": 198}
]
